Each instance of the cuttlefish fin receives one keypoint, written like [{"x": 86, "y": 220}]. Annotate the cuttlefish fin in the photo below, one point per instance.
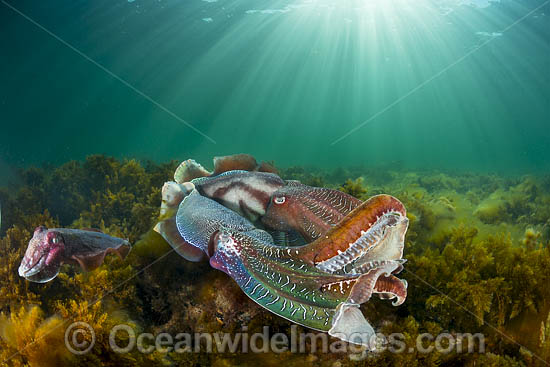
[
  {"x": 267, "y": 167},
  {"x": 189, "y": 170},
  {"x": 89, "y": 262},
  {"x": 293, "y": 183},
  {"x": 122, "y": 251},
  {"x": 244, "y": 162},
  {"x": 169, "y": 231},
  {"x": 92, "y": 230},
  {"x": 350, "y": 325},
  {"x": 172, "y": 195}
]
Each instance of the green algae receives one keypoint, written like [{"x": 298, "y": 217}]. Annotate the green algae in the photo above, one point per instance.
[
  {"x": 471, "y": 268},
  {"x": 355, "y": 188}
]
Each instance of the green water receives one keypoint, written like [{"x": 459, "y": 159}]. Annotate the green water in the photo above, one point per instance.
[
  {"x": 443, "y": 104},
  {"x": 444, "y": 84}
]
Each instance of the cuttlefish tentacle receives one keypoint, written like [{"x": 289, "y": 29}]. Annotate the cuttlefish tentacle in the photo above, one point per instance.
[
  {"x": 296, "y": 290},
  {"x": 366, "y": 284}
]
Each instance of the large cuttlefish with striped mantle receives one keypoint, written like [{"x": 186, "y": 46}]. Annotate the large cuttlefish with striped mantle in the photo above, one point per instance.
[
  {"x": 303, "y": 284},
  {"x": 290, "y": 207},
  {"x": 237, "y": 182}
]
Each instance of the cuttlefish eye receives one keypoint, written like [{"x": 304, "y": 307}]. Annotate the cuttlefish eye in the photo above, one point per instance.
[
  {"x": 279, "y": 200},
  {"x": 53, "y": 239}
]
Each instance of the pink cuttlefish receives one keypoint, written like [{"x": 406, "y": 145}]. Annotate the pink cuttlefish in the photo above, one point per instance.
[{"x": 50, "y": 248}]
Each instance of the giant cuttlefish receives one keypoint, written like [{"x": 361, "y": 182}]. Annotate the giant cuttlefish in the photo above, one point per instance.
[
  {"x": 288, "y": 206},
  {"x": 50, "y": 248},
  {"x": 298, "y": 283}
]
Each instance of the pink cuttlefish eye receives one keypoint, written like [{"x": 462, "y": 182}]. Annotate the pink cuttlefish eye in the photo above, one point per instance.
[{"x": 279, "y": 200}]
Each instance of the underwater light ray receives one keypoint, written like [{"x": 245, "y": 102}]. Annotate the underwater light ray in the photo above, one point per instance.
[
  {"x": 436, "y": 75},
  {"x": 475, "y": 316},
  {"x": 115, "y": 76},
  {"x": 91, "y": 304}
]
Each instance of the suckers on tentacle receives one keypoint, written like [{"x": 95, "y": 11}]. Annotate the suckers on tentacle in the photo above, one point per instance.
[{"x": 374, "y": 230}]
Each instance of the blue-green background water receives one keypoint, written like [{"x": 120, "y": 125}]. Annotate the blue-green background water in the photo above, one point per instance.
[{"x": 281, "y": 80}]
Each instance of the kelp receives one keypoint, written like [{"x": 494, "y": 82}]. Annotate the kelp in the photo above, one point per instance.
[
  {"x": 466, "y": 273},
  {"x": 355, "y": 188},
  {"x": 27, "y": 337}
]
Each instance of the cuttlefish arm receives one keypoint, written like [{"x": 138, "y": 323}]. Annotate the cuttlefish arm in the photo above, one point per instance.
[
  {"x": 296, "y": 290},
  {"x": 375, "y": 230},
  {"x": 391, "y": 287},
  {"x": 311, "y": 211},
  {"x": 50, "y": 248}
]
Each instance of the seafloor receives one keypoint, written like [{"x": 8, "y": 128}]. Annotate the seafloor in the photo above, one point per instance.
[{"x": 477, "y": 250}]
